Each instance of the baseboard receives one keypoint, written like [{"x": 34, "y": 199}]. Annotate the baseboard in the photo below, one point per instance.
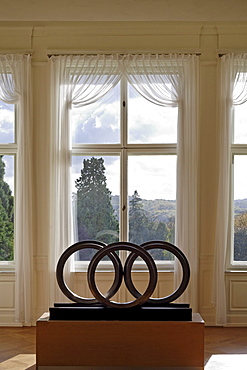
[
  {"x": 7, "y": 318},
  {"x": 10, "y": 324},
  {"x": 113, "y": 368}
]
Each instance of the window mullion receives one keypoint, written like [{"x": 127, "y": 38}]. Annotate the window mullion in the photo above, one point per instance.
[
  {"x": 124, "y": 113},
  {"x": 124, "y": 173},
  {"x": 124, "y": 197}
]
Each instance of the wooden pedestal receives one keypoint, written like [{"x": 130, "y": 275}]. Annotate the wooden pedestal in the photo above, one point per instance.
[{"x": 120, "y": 344}]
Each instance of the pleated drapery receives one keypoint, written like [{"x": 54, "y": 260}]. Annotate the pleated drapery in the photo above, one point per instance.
[
  {"x": 15, "y": 88},
  {"x": 232, "y": 91}
]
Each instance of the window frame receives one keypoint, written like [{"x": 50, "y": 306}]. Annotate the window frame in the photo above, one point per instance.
[
  {"x": 123, "y": 149},
  {"x": 236, "y": 149},
  {"x": 11, "y": 149}
]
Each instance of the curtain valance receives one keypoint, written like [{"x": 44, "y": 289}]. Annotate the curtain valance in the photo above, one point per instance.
[
  {"x": 159, "y": 78},
  {"x": 234, "y": 69}
]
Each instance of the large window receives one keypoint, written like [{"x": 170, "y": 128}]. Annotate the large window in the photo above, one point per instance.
[
  {"x": 123, "y": 169},
  {"x": 8, "y": 148},
  {"x": 239, "y": 185},
  {"x": 118, "y": 171}
]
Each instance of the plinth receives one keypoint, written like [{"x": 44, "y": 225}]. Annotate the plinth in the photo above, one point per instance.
[{"x": 117, "y": 344}]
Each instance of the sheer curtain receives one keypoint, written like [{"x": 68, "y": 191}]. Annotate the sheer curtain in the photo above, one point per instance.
[
  {"x": 230, "y": 68},
  {"x": 173, "y": 81},
  {"x": 15, "y": 88},
  {"x": 75, "y": 81},
  {"x": 167, "y": 80}
]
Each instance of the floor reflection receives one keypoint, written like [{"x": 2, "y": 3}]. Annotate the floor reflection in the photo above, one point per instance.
[
  {"x": 20, "y": 362},
  {"x": 227, "y": 362}
]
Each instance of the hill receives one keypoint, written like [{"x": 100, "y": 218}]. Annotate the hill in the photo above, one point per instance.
[
  {"x": 163, "y": 210},
  {"x": 157, "y": 210},
  {"x": 240, "y": 206}
]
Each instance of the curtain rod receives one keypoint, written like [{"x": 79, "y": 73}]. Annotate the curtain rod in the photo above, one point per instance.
[
  {"x": 25, "y": 52},
  {"x": 51, "y": 53},
  {"x": 221, "y": 53}
]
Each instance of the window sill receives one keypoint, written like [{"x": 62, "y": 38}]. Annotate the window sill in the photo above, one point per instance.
[
  {"x": 138, "y": 267},
  {"x": 236, "y": 271},
  {"x": 84, "y": 270},
  {"x": 7, "y": 267},
  {"x": 5, "y": 271}
]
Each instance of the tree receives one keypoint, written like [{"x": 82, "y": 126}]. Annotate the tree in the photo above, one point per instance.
[
  {"x": 138, "y": 221},
  {"x": 95, "y": 215},
  {"x": 6, "y": 218},
  {"x": 143, "y": 228},
  {"x": 240, "y": 237}
]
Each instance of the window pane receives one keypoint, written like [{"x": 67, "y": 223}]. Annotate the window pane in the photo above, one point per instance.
[
  {"x": 152, "y": 200},
  {"x": 7, "y": 123},
  {"x": 240, "y": 208},
  {"x": 98, "y": 123},
  {"x": 95, "y": 199},
  {"x": 6, "y": 208},
  {"x": 150, "y": 123},
  {"x": 240, "y": 124}
]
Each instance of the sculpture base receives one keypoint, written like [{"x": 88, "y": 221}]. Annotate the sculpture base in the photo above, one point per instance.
[
  {"x": 120, "y": 344},
  {"x": 170, "y": 312}
]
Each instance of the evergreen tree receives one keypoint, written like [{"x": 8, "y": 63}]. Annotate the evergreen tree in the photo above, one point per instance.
[
  {"x": 139, "y": 228},
  {"x": 95, "y": 215},
  {"x": 6, "y": 218}
]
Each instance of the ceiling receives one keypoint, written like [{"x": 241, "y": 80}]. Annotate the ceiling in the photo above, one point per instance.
[{"x": 123, "y": 10}]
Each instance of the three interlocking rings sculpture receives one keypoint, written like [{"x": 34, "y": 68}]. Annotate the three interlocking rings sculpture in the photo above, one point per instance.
[{"x": 121, "y": 272}]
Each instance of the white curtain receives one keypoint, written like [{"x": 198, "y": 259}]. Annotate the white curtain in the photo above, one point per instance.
[
  {"x": 78, "y": 81},
  {"x": 230, "y": 94},
  {"x": 175, "y": 78},
  {"x": 15, "y": 88},
  {"x": 173, "y": 81},
  {"x": 187, "y": 176},
  {"x": 156, "y": 77}
]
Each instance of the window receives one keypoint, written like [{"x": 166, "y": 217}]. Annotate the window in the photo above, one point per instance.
[
  {"x": 239, "y": 185},
  {"x": 123, "y": 170},
  {"x": 8, "y": 150},
  {"x": 135, "y": 133}
]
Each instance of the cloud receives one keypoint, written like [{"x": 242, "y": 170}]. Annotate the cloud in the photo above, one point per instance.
[
  {"x": 150, "y": 123},
  {"x": 9, "y": 170},
  {"x": 7, "y": 123},
  {"x": 97, "y": 123},
  {"x": 154, "y": 177}
]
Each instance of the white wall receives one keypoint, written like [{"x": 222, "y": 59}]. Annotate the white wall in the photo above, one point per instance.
[{"x": 206, "y": 38}]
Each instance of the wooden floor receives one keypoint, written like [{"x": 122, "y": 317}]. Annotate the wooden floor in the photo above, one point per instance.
[
  {"x": 17, "y": 348},
  {"x": 225, "y": 348}
]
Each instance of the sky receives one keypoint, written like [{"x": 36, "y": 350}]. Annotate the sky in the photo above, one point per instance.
[
  {"x": 7, "y": 135},
  {"x": 240, "y": 161},
  {"x": 7, "y": 117},
  {"x": 99, "y": 123},
  {"x": 154, "y": 177}
]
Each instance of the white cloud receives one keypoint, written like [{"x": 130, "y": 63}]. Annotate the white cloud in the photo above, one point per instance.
[{"x": 7, "y": 119}]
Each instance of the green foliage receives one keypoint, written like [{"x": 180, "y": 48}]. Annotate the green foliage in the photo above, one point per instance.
[
  {"x": 156, "y": 209},
  {"x": 240, "y": 237},
  {"x": 6, "y": 218},
  {"x": 143, "y": 227},
  {"x": 95, "y": 215},
  {"x": 138, "y": 221}
]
